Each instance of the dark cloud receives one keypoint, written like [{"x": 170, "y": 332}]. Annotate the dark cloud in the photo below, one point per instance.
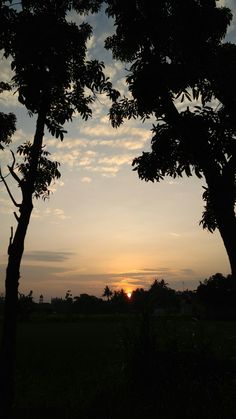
[{"x": 47, "y": 256}]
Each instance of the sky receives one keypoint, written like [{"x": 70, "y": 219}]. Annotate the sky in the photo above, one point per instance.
[{"x": 102, "y": 225}]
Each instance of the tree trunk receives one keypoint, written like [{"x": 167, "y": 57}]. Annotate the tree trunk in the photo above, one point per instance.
[
  {"x": 15, "y": 253},
  {"x": 227, "y": 230},
  {"x": 222, "y": 198}
]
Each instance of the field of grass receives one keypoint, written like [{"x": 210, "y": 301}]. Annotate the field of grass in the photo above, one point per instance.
[{"x": 115, "y": 367}]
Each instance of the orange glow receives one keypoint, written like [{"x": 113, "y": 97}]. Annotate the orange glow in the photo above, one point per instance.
[{"x": 129, "y": 294}]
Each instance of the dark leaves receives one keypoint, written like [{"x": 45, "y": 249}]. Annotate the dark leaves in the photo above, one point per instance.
[
  {"x": 47, "y": 170},
  {"x": 55, "y": 129},
  {"x": 7, "y": 128}
]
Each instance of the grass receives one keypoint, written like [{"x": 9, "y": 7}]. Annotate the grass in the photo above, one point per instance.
[{"x": 106, "y": 367}]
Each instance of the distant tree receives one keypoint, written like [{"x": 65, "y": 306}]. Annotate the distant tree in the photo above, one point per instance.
[
  {"x": 53, "y": 80},
  {"x": 162, "y": 296},
  {"x": 120, "y": 301},
  {"x": 57, "y": 304},
  {"x": 177, "y": 54},
  {"x": 88, "y": 304},
  {"x": 41, "y": 299},
  {"x": 69, "y": 297},
  {"x": 217, "y": 291},
  {"x": 25, "y": 305},
  {"x": 107, "y": 293},
  {"x": 139, "y": 299}
]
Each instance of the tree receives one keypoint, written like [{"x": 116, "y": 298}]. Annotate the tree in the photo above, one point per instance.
[
  {"x": 139, "y": 299},
  {"x": 107, "y": 293},
  {"x": 25, "y": 305},
  {"x": 161, "y": 296},
  {"x": 52, "y": 79},
  {"x": 120, "y": 301},
  {"x": 217, "y": 291},
  {"x": 7, "y": 122},
  {"x": 177, "y": 53}
]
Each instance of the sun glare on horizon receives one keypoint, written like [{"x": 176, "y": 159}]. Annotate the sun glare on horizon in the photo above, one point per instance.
[{"x": 129, "y": 294}]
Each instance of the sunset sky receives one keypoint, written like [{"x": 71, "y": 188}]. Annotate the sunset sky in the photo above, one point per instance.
[{"x": 102, "y": 225}]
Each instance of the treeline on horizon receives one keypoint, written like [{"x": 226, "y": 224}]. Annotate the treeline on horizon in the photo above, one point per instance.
[{"x": 214, "y": 298}]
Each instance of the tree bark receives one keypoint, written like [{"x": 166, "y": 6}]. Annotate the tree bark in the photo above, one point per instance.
[
  {"x": 222, "y": 198},
  {"x": 15, "y": 253}
]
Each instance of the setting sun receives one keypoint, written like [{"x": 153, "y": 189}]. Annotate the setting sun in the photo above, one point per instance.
[{"x": 129, "y": 294}]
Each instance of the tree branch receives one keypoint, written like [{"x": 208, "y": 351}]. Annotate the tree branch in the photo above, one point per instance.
[
  {"x": 229, "y": 169},
  {"x": 8, "y": 190},
  {"x": 16, "y": 216},
  {"x": 11, "y": 169},
  {"x": 10, "y": 240}
]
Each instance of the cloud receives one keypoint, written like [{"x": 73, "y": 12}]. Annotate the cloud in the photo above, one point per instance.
[
  {"x": 118, "y": 160},
  {"x": 57, "y": 212},
  {"x": 139, "y": 276},
  {"x": 54, "y": 213},
  {"x": 105, "y": 171},
  {"x": 125, "y": 143},
  {"x": 172, "y": 182},
  {"x": 104, "y": 130},
  {"x": 87, "y": 159},
  {"x": 70, "y": 159},
  {"x": 47, "y": 256},
  {"x": 68, "y": 143},
  {"x": 86, "y": 179}
]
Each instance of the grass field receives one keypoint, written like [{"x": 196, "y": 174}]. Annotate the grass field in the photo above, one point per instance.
[{"x": 114, "y": 367}]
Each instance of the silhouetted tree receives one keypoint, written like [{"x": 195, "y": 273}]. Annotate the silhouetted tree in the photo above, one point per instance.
[
  {"x": 107, "y": 293},
  {"x": 7, "y": 122},
  {"x": 25, "y": 305},
  {"x": 69, "y": 297},
  {"x": 218, "y": 294},
  {"x": 52, "y": 79},
  {"x": 88, "y": 304},
  {"x": 120, "y": 301},
  {"x": 177, "y": 53},
  {"x": 139, "y": 299},
  {"x": 161, "y": 296}
]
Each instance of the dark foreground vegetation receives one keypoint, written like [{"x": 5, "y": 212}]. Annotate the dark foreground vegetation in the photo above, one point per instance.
[
  {"x": 126, "y": 366},
  {"x": 148, "y": 360}
]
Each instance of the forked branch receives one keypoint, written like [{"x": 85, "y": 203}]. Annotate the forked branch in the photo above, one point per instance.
[
  {"x": 2, "y": 179},
  {"x": 12, "y": 167}
]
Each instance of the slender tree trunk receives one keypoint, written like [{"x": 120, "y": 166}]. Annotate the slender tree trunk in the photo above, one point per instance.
[
  {"x": 228, "y": 233},
  {"x": 223, "y": 203},
  {"x": 15, "y": 253}
]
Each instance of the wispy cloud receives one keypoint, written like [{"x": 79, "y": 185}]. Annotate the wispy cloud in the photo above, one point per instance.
[
  {"x": 104, "y": 130},
  {"x": 47, "y": 256},
  {"x": 117, "y": 160},
  {"x": 55, "y": 214},
  {"x": 86, "y": 179},
  {"x": 104, "y": 170}
]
